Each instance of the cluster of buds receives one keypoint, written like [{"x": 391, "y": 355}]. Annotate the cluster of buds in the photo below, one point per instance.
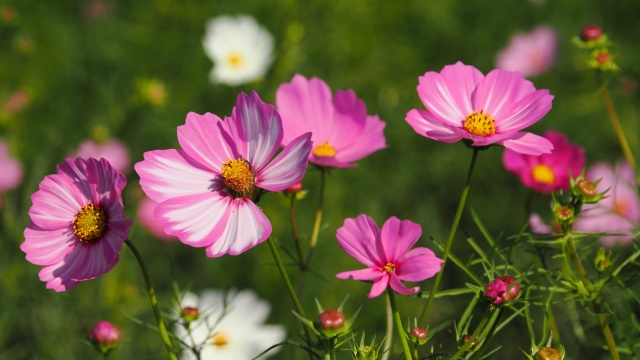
[
  {"x": 502, "y": 291},
  {"x": 596, "y": 42},
  {"x": 105, "y": 337},
  {"x": 583, "y": 191}
]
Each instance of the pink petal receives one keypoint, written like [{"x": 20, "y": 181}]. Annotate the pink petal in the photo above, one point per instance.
[
  {"x": 417, "y": 265},
  {"x": 10, "y": 169},
  {"x": 525, "y": 112},
  {"x": 397, "y": 237},
  {"x": 427, "y": 125},
  {"x": 498, "y": 91},
  {"x": 379, "y": 286},
  {"x": 107, "y": 180},
  {"x": 288, "y": 167},
  {"x": 246, "y": 227},
  {"x": 56, "y": 203},
  {"x": 47, "y": 247},
  {"x": 95, "y": 259},
  {"x": 369, "y": 141},
  {"x": 204, "y": 140},
  {"x": 256, "y": 128},
  {"x": 399, "y": 287},
  {"x": 363, "y": 274},
  {"x": 146, "y": 217},
  {"x": 358, "y": 237},
  {"x": 447, "y": 95},
  {"x": 349, "y": 120},
  {"x": 57, "y": 278},
  {"x": 113, "y": 150},
  {"x": 165, "y": 174},
  {"x": 514, "y": 162},
  {"x": 197, "y": 220},
  {"x": 528, "y": 144},
  {"x": 330, "y": 161}
]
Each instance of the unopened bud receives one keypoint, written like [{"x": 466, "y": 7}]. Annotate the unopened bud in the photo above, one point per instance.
[
  {"x": 467, "y": 337},
  {"x": 564, "y": 214},
  {"x": 295, "y": 188},
  {"x": 331, "y": 319},
  {"x": 105, "y": 337},
  {"x": 603, "y": 260},
  {"x": 418, "y": 335},
  {"x": 587, "y": 188},
  {"x": 591, "y": 33},
  {"x": 603, "y": 58},
  {"x": 548, "y": 353},
  {"x": 190, "y": 314}
]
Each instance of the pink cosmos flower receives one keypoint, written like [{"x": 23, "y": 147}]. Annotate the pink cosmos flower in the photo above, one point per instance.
[
  {"x": 113, "y": 150},
  {"x": 146, "y": 217},
  {"x": 548, "y": 172},
  {"x": 531, "y": 53},
  {"x": 619, "y": 212},
  {"x": 341, "y": 129},
  {"x": 10, "y": 169},
  {"x": 205, "y": 191},
  {"x": 77, "y": 223},
  {"x": 387, "y": 253},
  {"x": 464, "y": 104}
]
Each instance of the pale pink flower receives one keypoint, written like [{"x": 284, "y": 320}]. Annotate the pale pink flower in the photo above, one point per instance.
[
  {"x": 77, "y": 223},
  {"x": 548, "y": 172},
  {"x": 342, "y": 132},
  {"x": 10, "y": 169},
  {"x": 618, "y": 213},
  {"x": 146, "y": 217},
  {"x": 484, "y": 110},
  {"x": 530, "y": 53},
  {"x": 113, "y": 150},
  {"x": 205, "y": 191},
  {"x": 387, "y": 253}
]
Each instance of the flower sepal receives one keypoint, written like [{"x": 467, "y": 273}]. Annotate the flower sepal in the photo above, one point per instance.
[{"x": 585, "y": 190}]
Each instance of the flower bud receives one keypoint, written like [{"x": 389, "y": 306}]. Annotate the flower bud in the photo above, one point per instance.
[
  {"x": 563, "y": 214},
  {"x": 294, "y": 189},
  {"x": 418, "y": 335},
  {"x": 603, "y": 58},
  {"x": 548, "y": 353},
  {"x": 502, "y": 290},
  {"x": 105, "y": 337},
  {"x": 366, "y": 353},
  {"x": 603, "y": 260},
  {"x": 585, "y": 190},
  {"x": 331, "y": 319},
  {"x": 467, "y": 337},
  {"x": 591, "y": 33},
  {"x": 190, "y": 314}
]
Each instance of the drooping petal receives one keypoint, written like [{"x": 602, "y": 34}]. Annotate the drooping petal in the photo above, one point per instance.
[
  {"x": 288, "y": 167},
  {"x": 358, "y": 237},
  {"x": 369, "y": 141},
  {"x": 256, "y": 129},
  {"x": 47, "y": 247},
  {"x": 197, "y": 220},
  {"x": 399, "y": 287},
  {"x": 165, "y": 174},
  {"x": 528, "y": 144},
  {"x": 379, "y": 286},
  {"x": 362, "y": 274},
  {"x": 205, "y": 141},
  {"x": 417, "y": 265},
  {"x": 447, "y": 94},
  {"x": 397, "y": 237},
  {"x": 427, "y": 125},
  {"x": 246, "y": 227}
]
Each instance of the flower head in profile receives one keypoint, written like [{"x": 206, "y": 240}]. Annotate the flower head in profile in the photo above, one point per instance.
[
  {"x": 113, "y": 150},
  {"x": 146, "y": 217},
  {"x": 230, "y": 326},
  {"x": 462, "y": 103},
  {"x": 530, "y": 53},
  {"x": 387, "y": 254},
  {"x": 10, "y": 169},
  {"x": 618, "y": 213},
  {"x": 342, "y": 132},
  {"x": 548, "y": 172},
  {"x": 240, "y": 49},
  {"x": 77, "y": 223},
  {"x": 206, "y": 191}
]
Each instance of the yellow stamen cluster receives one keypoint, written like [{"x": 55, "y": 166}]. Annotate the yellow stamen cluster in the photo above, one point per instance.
[
  {"x": 220, "y": 340},
  {"x": 543, "y": 174},
  {"x": 389, "y": 268},
  {"x": 324, "y": 149},
  {"x": 90, "y": 223},
  {"x": 235, "y": 60},
  {"x": 480, "y": 123},
  {"x": 238, "y": 177}
]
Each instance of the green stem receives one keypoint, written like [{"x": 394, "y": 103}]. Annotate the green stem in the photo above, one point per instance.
[
  {"x": 452, "y": 233},
  {"x": 154, "y": 301},
  {"x": 294, "y": 230},
  {"x": 316, "y": 224},
  {"x": 475, "y": 334},
  {"x": 388, "y": 339},
  {"x": 617, "y": 128},
  {"x": 398, "y": 321}
]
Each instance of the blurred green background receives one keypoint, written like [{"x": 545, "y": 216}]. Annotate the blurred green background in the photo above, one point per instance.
[{"x": 80, "y": 72}]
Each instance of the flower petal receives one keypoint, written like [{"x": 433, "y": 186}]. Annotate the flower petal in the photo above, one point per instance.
[
  {"x": 397, "y": 237},
  {"x": 204, "y": 140},
  {"x": 379, "y": 286},
  {"x": 288, "y": 167},
  {"x": 349, "y": 120},
  {"x": 359, "y": 238},
  {"x": 525, "y": 112},
  {"x": 369, "y": 141},
  {"x": 528, "y": 144},
  {"x": 417, "y": 265},
  {"x": 399, "y": 287},
  {"x": 56, "y": 203},
  {"x": 47, "y": 247},
  {"x": 430, "y": 126},
  {"x": 363, "y": 274}
]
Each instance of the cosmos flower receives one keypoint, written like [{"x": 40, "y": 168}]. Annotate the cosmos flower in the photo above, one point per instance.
[
  {"x": 484, "y": 110},
  {"x": 234, "y": 332},
  {"x": 618, "y": 213},
  {"x": 387, "y": 254},
  {"x": 341, "y": 129},
  {"x": 113, "y": 150},
  {"x": 548, "y": 172},
  {"x": 10, "y": 169},
  {"x": 240, "y": 49},
  {"x": 77, "y": 223},
  {"x": 206, "y": 191},
  {"x": 146, "y": 218},
  {"x": 531, "y": 53}
]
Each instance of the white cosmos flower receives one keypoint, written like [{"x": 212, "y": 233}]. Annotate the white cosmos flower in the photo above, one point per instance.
[
  {"x": 239, "y": 47},
  {"x": 236, "y": 332}
]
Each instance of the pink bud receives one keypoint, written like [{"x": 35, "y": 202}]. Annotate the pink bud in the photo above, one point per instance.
[
  {"x": 418, "y": 334},
  {"x": 331, "y": 319},
  {"x": 295, "y": 188},
  {"x": 603, "y": 58},
  {"x": 502, "y": 290},
  {"x": 190, "y": 314},
  {"x": 104, "y": 334},
  {"x": 591, "y": 33}
]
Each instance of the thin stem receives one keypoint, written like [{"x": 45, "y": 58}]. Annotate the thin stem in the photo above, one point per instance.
[
  {"x": 194, "y": 348},
  {"x": 398, "y": 321},
  {"x": 467, "y": 345},
  {"x": 294, "y": 230},
  {"x": 154, "y": 301},
  {"x": 452, "y": 233},
  {"x": 316, "y": 224},
  {"x": 388, "y": 340},
  {"x": 617, "y": 128}
]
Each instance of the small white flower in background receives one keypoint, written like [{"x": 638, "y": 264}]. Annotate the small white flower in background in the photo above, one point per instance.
[
  {"x": 239, "y": 47},
  {"x": 235, "y": 332}
]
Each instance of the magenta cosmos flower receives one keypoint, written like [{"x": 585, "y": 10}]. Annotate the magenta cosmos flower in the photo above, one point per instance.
[
  {"x": 205, "y": 191},
  {"x": 342, "y": 132},
  {"x": 548, "y": 172},
  {"x": 387, "y": 253},
  {"x": 618, "y": 213},
  {"x": 530, "y": 53},
  {"x": 464, "y": 104},
  {"x": 77, "y": 223}
]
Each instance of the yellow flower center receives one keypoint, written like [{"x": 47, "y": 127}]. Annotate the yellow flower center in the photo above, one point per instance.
[
  {"x": 90, "y": 223},
  {"x": 543, "y": 174},
  {"x": 389, "y": 268},
  {"x": 324, "y": 149},
  {"x": 235, "y": 60},
  {"x": 220, "y": 340},
  {"x": 238, "y": 177},
  {"x": 480, "y": 123}
]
